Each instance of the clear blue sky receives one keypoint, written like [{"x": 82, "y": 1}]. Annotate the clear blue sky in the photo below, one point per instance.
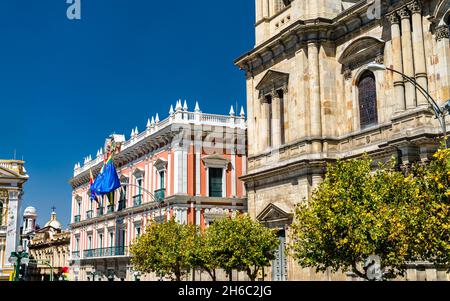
[{"x": 65, "y": 85}]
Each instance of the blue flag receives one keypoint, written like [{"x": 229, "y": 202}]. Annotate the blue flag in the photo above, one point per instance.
[{"x": 108, "y": 180}]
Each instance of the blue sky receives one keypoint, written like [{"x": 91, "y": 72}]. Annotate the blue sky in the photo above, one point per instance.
[{"x": 65, "y": 85}]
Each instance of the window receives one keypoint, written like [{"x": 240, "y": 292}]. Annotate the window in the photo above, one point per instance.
[
  {"x": 111, "y": 239},
  {"x": 78, "y": 208},
  {"x": 215, "y": 182},
  {"x": 77, "y": 244},
  {"x": 138, "y": 232},
  {"x": 162, "y": 182},
  {"x": 100, "y": 240},
  {"x": 367, "y": 97},
  {"x": 89, "y": 242},
  {"x": 139, "y": 184}
]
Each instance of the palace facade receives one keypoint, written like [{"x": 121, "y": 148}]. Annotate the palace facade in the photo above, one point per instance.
[
  {"x": 312, "y": 98},
  {"x": 12, "y": 178},
  {"x": 185, "y": 167}
]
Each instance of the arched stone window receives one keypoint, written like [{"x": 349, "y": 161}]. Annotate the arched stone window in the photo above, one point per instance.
[{"x": 367, "y": 99}]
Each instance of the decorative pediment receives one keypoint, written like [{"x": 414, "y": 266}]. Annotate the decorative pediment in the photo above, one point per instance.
[
  {"x": 362, "y": 51},
  {"x": 6, "y": 173},
  {"x": 272, "y": 81},
  {"x": 138, "y": 173},
  {"x": 215, "y": 161},
  {"x": 161, "y": 164},
  {"x": 124, "y": 179},
  {"x": 273, "y": 214}
]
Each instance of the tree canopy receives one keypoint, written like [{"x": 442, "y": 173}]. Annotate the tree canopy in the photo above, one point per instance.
[{"x": 357, "y": 212}]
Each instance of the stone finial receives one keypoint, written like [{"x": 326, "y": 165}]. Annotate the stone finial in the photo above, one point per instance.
[
  {"x": 242, "y": 111},
  {"x": 132, "y": 133},
  {"x": 178, "y": 106},
  {"x": 232, "y": 111},
  {"x": 153, "y": 121},
  {"x": 148, "y": 123},
  {"x": 75, "y": 167},
  {"x": 98, "y": 154},
  {"x": 171, "y": 111},
  {"x": 136, "y": 131},
  {"x": 185, "y": 106},
  {"x": 197, "y": 107},
  {"x": 157, "y": 118}
]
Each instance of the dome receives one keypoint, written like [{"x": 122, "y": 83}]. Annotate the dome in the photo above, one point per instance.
[
  {"x": 30, "y": 212},
  {"x": 53, "y": 222}
]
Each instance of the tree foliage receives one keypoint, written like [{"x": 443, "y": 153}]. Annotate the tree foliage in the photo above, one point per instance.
[
  {"x": 356, "y": 213},
  {"x": 164, "y": 248},
  {"x": 241, "y": 244}
]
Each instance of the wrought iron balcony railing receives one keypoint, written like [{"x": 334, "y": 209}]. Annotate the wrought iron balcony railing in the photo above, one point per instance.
[
  {"x": 106, "y": 252},
  {"x": 160, "y": 194},
  {"x": 77, "y": 218},
  {"x": 122, "y": 205},
  {"x": 89, "y": 214},
  {"x": 137, "y": 200},
  {"x": 76, "y": 255}
]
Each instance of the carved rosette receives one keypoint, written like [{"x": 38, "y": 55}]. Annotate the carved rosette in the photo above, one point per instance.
[{"x": 442, "y": 32}]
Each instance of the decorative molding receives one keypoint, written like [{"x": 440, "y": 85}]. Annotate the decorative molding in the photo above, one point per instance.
[
  {"x": 347, "y": 74},
  {"x": 442, "y": 32},
  {"x": 415, "y": 7},
  {"x": 393, "y": 18},
  {"x": 404, "y": 13}
]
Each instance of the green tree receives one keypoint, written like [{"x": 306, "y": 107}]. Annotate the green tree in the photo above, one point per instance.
[
  {"x": 164, "y": 248},
  {"x": 202, "y": 256},
  {"x": 356, "y": 213},
  {"x": 241, "y": 244}
]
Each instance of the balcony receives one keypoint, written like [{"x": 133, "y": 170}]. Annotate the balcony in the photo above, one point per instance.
[
  {"x": 89, "y": 214},
  {"x": 160, "y": 194},
  {"x": 106, "y": 252},
  {"x": 137, "y": 200},
  {"x": 75, "y": 255},
  {"x": 77, "y": 218},
  {"x": 110, "y": 209},
  {"x": 100, "y": 211}
]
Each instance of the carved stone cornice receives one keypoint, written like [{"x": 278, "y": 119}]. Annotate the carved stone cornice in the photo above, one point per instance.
[{"x": 442, "y": 32}]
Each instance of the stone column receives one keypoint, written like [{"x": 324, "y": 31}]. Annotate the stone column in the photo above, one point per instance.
[
  {"x": 276, "y": 119},
  {"x": 419, "y": 51},
  {"x": 408, "y": 60},
  {"x": 265, "y": 8},
  {"x": 314, "y": 87},
  {"x": 265, "y": 125},
  {"x": 443, "y": 52}
]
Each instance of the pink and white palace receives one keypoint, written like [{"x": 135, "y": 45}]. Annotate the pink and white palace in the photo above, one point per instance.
[{"x": 185, "y": 167}]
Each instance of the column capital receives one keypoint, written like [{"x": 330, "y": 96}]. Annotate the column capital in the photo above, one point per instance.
[
  {"x": 404, "y": 13},
  {"x": 442, "y": 32},
  {"x": 393, "y": 18},
  {"x": 274, "y": 94},
  {"x": 415, "y": 7}
]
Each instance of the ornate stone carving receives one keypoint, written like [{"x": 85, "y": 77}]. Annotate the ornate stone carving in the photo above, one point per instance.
[
  {"x": 379, "y": 59},
  {"x": 393, "y": 18},
  {"x": 442, "y": 32},
  {"x": 415, "y": 7},
  {"x": 347, "y": 74},
  {"x": 404, "y": 13}
]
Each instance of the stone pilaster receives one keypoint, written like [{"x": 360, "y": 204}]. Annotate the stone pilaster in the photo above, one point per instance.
[
  {"x": 442, "y": 35},
  {"x": 399, "y": 86},
  {"x": 408, "y": 58},
  {"x": 419, "y": 50},
  {"x": 265, "y": 125},
  {"x": 314, "y": 87},
  {"x": 276, "y": 119}
]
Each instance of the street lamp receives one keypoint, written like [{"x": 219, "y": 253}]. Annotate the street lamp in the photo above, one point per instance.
[
  {"x": 439, "y": 112},
  {"x": 18, "y": 258}
]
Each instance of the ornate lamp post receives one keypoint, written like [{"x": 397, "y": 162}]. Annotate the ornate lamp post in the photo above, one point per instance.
[
  {"x": 18, "y": 258},
  {"x": 439, "y": 112}
]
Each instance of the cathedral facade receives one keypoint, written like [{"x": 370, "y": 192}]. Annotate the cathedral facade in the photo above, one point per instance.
[
  {"x": 313, "y": 97},
  {"x": 12, "y": 178}
]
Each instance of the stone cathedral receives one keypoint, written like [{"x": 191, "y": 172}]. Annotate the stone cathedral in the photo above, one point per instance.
[{"x": 312, "y": 98}]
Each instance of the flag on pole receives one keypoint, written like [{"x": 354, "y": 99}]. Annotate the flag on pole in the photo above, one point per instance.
[
  {"x": 91, "y": 183},
  {"x": 108, "y": 180}
]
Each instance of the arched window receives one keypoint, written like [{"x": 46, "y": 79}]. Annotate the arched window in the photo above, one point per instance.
[{"x": 367, "y": 98}]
